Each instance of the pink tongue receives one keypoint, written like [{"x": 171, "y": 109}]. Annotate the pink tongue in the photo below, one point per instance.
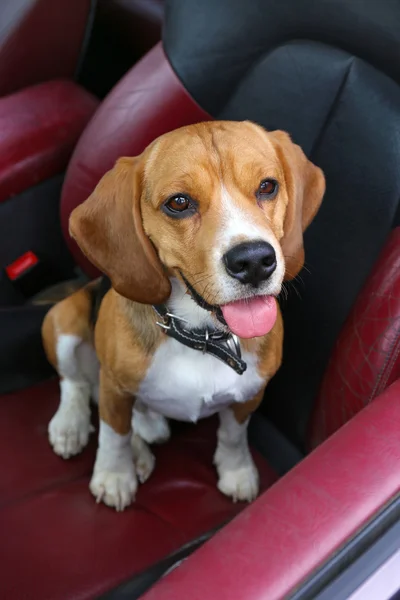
[{"x": 251, "y": 318}]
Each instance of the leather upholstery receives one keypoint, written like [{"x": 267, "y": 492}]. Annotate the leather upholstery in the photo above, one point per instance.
[
  {"x": 343, "y": 110},
  {"x": 136, "y": 23},
  {"x": 57, "y": 543},
  {"x": 366, "y": 358},
  {"x": 40, "y": 40},
  {"x": 148, "y": 102},
  {"x": 332, "y": 121},
  {"x": 213, "y": 45},
  {"x": 329, "y": 74},
  {"x": 303, "y": 519},
  {"x": 40, "y": 126}
]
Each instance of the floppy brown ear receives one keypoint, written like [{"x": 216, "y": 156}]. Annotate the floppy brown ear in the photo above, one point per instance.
[
  {"x": 109, "y": 230},
  {"x": 305, "y": 184}
]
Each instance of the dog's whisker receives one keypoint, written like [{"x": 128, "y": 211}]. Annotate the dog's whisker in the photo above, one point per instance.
[{"x": 299, "y": 262}]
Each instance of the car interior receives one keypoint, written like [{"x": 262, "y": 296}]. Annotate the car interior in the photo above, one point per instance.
[{"x": 83, "y": 83}]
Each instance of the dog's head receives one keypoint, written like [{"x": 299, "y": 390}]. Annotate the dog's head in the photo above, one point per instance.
[{"x": 222, "y": 206}]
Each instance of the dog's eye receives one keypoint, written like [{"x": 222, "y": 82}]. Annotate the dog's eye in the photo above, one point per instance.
[
  {"x": 267, "y": 189},
  {"x": 179, "y": 206}
]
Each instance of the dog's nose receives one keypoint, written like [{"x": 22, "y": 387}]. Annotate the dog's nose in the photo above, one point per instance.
[{"x": 251, "y": 262}]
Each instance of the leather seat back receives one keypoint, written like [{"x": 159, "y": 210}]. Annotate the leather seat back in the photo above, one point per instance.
[
  {"x": 329, "y": 74},
  {"x": 40, "y": 40}
]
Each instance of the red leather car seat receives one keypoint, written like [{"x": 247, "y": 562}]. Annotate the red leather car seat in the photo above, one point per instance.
[
  {"x": 90, "y": 548},
  {"x": 366, "y": 357},
  {"x": 41, "y": 40},
  {"x": 328, "y": 109},
  {"x": 42, "y": 114}
]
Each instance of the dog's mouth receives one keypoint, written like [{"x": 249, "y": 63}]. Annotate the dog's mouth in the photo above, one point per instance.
[
  {"x": 212, "y": 308},
  {"x": 246, "y": 318}
]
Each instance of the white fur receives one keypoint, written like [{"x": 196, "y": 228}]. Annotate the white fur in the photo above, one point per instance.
[
  {"x": 152, "y": 427},
  {"x": 185, "y": 384},
  {"x": 180, "y": 303},
  {"x": 77, "y": 360},
  {"x": 237, "y": 223},
  {"x": 114, "y": 479},
  {"x": 143, "y": 458},
  {"x": 238, "y": 476},
  {"x": 70, "y": 427}
]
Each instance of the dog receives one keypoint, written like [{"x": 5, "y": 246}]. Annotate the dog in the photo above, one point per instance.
[{"x": 196, "y": 237}]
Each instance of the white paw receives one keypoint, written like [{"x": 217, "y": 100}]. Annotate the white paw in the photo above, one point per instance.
[
  {"x": 241, "y": 484},
  {"x": 143, "y": 458},
  {"x": 116, "y": 489},
  {"x": 69, "y": 430},
  {"x": 151, "y": 426}
]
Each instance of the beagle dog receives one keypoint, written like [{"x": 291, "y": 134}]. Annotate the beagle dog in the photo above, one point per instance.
[{"x": 196, "y": 236}]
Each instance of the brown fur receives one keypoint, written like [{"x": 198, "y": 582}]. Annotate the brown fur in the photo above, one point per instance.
[
  {"x": 243, "y": 410},
  {"x": 122, "y": 229},
  {"x": 71, "y": 316},
  {"x": 123, "y": 214},
  {"x": 128, "y": 339},
  {"x": 115, "y": 404}
]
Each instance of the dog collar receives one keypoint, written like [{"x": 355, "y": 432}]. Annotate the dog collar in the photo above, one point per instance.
[{"x": 222, "y": 345}]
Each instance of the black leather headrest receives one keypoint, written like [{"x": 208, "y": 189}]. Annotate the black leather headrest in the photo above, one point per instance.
[{"x": 212, "y": 43}]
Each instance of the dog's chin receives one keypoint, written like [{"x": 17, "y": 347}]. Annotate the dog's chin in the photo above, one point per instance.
[{"x": 219, "y": 321}]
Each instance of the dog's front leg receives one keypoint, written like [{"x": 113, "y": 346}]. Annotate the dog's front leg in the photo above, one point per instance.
[
  {"x": 114, "y": 480},
  {"x": 238, "y": 475}
]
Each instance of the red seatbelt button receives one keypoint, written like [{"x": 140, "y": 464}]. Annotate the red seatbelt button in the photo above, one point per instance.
[{"x": 22, "y": 265}]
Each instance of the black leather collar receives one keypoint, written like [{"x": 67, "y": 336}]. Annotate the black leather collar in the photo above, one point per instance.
[{"x": 223, "y": 345}]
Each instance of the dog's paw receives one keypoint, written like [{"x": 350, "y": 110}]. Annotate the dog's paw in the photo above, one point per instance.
[
  {"x": 69, "y": 430},
  {"x": 152, "y": 427},
  {"x": 241, "y": 484},
  {"x": 143, "y": 458},
  {"x": 116, "y": 489}
]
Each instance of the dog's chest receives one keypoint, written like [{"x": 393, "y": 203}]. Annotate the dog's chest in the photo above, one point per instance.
[{"x": 186, "y": 385}]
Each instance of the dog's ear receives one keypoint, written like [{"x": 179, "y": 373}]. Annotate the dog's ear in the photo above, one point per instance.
[
  {"x": 305, "y": 184},
  {"x": 109, "y": 230}
]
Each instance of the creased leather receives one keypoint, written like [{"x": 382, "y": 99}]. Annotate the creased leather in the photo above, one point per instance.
[
  {"x": 40, "y": 40},
  {"x": 56, "y": 543},
  {"x": 39, "y": 129},
  {"x": 366, "y": 357},
  {"x": 280, "y": 539}
]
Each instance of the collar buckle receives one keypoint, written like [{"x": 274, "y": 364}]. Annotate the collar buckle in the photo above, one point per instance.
[
  {"x": 220, "y": 344},
  {"x": 163, "y": 325},
  {"x": 233, "y": 344},
  {"x": 206, "y": 337},
  {"x": 166, "y": 318}
]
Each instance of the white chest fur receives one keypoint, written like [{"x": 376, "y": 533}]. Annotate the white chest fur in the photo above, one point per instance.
[{"x": 186, "y": 385}]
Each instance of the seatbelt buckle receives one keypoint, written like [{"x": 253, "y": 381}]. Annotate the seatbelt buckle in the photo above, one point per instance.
[{"x": 28, "y": 275}]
